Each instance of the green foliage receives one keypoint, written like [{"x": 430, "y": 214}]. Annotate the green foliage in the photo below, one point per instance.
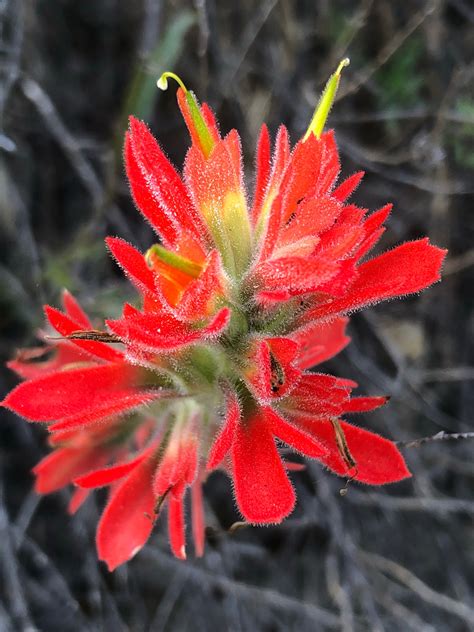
[
  {"x": 462, "y": 137},
  {"x": 400, "y": 80}
]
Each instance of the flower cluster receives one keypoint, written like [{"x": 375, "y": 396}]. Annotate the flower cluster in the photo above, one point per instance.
[{"x": 210, "y": 370}]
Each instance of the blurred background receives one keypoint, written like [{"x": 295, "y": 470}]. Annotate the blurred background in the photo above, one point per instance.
[{"x": 397, "y": 558}]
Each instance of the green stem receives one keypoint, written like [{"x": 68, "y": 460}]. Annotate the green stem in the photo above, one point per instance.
[{"x": 174, "y": 260}]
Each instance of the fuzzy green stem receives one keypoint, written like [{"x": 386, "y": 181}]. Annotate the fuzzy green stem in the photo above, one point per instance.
[
  {"x": 325, "y": 103},
  {"x": 174, "y": 260}
]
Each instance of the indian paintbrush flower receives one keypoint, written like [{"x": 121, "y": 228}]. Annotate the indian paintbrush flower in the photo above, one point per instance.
[{"x": 236, "y": 303}]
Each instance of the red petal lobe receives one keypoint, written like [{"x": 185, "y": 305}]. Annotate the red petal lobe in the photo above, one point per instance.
[
  {"x": 63, "y": 394},
  {"x": 404, "y": 270},
  {"x": 263, "y": 491},
  {"x": 127, "y": 520},
  {"x": 378, "y": 460},
  {"x": 108, "y": 475}
]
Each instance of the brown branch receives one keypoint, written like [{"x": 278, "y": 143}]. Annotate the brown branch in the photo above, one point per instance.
[
  {"x": 418, "y": 503},
  {"x": 440, "y": 436},
  {"x": 411, "y": 581},
  {"x": 93, "y": 335}
]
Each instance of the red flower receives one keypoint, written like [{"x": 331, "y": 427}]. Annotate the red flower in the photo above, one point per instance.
[{"x": 236, "y": 304}]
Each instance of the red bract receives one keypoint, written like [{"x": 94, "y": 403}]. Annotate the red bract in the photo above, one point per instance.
[{"x": 211, "y": 369}]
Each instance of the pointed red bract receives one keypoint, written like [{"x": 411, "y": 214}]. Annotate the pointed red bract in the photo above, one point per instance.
[
  {"x": 108, "y": 475},
  {"x": 178, "y": 466},
  {"x": 347, "y": 188},
  {"x": 320, "y": 341},
  {"x": 118, "y": 404},
  {"x": 263, "y": 167},
  {"x": 156, "y": 186},
  {"x": 364, "y": 404},
  {"x": 312, "y": 170},
  {"x": 176, "y": 526},
  {"x": 149, "y": 204},
  {"x": 65, "y": 326},
  {"x": 133, "y": 264},
  {"x": 78, "y": 498},
  {"x": 198, "y": 517},
  {"x": 403, "y": 270},
  {"x": 373, "y": 231},
  {"x": 294, "y": 436},
  {"x": 270, "y": 212},
  {"x": 224, "y": 440},
  {"x": 75, "y": 311},
  {"x": 161, "y": 332}
]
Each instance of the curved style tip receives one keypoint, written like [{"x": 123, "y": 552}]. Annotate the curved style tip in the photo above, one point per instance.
[
  {"x": 162, "y": 82},
  {"x": 345, "y": 62}
]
